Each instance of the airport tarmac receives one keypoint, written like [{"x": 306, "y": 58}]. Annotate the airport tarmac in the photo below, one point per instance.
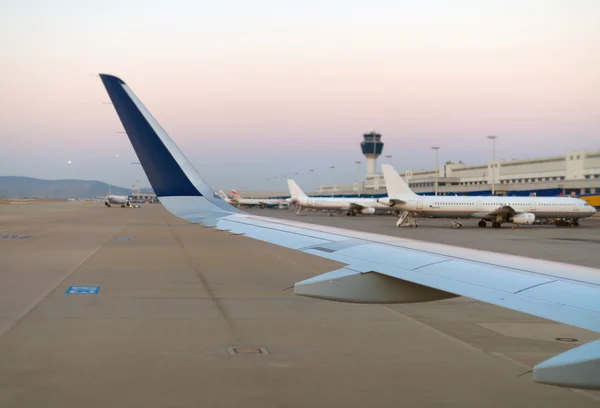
[{"x": 176, "y": 301}]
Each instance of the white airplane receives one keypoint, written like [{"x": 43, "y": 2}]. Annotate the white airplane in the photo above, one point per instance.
[
  {"x": 224, "y": 196},
  {"x": 256, "y": 202},
  {"x": 380, "y": 268},
  {"x": 111, "y": 199},
  {"x": 494, "y": 209},
  {"x": 351, "y": 206}
]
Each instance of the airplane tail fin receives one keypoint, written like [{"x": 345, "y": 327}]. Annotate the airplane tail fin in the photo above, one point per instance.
[
  {"x": 236, "y": 195},
  {"x": 396, "y": 187},
  {"x": 175, "y": 181},
  {"x": 295, "y": 190}
]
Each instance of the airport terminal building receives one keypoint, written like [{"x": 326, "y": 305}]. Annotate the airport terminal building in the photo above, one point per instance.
[
  {"x": 577, "y": 172},
  {"x": 149, "y": 198}
]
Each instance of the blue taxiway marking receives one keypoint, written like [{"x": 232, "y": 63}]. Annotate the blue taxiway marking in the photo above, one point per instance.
[{"x": 83, "y": 290}]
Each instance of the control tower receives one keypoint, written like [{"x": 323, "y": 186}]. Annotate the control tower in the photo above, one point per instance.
[{"x": 371, "y": 147}]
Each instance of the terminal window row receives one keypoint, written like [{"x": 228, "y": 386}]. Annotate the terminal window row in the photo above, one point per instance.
[
  {"x": 528, "y": 180},
  {"x": 532, "y": 180},
  {"x": 513, "y": 181},
  {"x": 507, "y": 203}
]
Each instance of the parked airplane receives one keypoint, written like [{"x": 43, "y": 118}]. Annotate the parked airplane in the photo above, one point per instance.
[
  {"x": 494, "y": 209},
  {"x": 257, "y": 202},
  {"x": 380, "y": 268},
  {"x": 225, "y": 197},
  {"x": 111, "y": 199},
  {"x": 351, "y": 206}
]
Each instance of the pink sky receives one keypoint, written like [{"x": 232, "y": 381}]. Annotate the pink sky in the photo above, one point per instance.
[{"x": 257, "y": 89}]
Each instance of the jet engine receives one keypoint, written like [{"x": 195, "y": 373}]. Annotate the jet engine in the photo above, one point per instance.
[
  {"x": 369, "y": 210},
  {"x": 388, "y": 201},
  {"x": 522, "y": 219}
]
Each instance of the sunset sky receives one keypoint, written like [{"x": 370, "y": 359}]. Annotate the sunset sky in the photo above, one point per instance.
[{"x": 250, "y": 90}]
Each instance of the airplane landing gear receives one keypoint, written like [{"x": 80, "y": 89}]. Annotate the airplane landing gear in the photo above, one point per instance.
[
  {"x": 482, "y": 224},
  {"x": 496, "y": 224},
  {"x": 567, "y": 222}
]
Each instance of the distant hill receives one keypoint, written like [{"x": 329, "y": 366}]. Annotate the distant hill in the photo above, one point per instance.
[{"x": 27, "y": 187}]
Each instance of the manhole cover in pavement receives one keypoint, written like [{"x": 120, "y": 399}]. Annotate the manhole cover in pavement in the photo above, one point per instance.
[
  {"x": 566, "y": 339},
  {"x": 246, "y": 350}
]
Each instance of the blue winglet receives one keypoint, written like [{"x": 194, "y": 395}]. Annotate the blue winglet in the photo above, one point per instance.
[
  {"x": 165, "y": 175},
  {"x": 173, "y": 178}
]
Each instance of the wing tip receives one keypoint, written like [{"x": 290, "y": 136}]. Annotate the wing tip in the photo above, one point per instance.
[{"x": 111, "y": 77}]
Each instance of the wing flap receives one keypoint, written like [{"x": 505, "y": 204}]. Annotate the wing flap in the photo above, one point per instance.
[
  {"x": 579, "y": 296},
  {"x": 381, "y": 254},
  {"x": 498, "y": 278}
]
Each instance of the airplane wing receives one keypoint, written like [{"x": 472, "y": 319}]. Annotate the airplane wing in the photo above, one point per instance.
[
  {"x": 379, "y": 268},
  {"x": 361, "y": 208},
  {"x": 391, "y": 201},
  {"x": 504, "y": 211},
  {"x": 507, "y": 213},
  {"x": 358, "y": 206}
]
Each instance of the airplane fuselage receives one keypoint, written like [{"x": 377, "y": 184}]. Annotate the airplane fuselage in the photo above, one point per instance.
[
  {"x": 267, "y": 202},
  {"x": 116, "y": 200},
  {"x": 337, "y": 203},
  {"x": 482, "y": 207}
]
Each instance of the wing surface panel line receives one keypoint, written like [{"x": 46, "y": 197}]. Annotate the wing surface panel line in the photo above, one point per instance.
[
  {"x": 534, "y": 286},
  {"x": 429, "y": 264}
]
